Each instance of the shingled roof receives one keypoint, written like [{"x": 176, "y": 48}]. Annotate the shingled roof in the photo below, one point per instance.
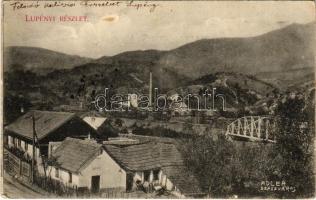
[
  {"x": 45, "y": 123},
  {"x": 183, "y": 179},
  {"x": 144, "y": 156},
  {"x": 74, "y": 154},
  {"x": 156, "y": 155}
]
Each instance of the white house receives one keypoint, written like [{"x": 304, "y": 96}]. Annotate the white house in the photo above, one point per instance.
[
  {"x": 120, "y": 166},
  {"x": 85, "y": 164}
]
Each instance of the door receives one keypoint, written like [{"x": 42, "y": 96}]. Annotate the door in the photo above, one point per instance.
[
  {"x": 129, "y": 181},
  {"x": 95, "y": 184}
]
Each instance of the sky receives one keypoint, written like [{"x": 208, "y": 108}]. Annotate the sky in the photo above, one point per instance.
[{"x": 112, "y": 30}]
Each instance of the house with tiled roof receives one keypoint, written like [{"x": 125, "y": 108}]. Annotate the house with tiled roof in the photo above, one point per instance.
[
  {"x": 85, "y": 164},
  {"x": 124, "y": 164},
  {"x": 48, "y": 126},
  {"x": 157, "y": 163}
]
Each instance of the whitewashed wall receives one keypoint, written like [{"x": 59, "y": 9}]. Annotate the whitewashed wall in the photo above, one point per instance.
[
  {"x": 111, "y": 174},
  {"x": 63, "y": 176}
]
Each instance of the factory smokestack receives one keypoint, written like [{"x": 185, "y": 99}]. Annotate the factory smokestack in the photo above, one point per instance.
[{"x": 150, "y": 89}]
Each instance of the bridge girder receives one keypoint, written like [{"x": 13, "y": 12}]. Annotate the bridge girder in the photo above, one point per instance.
[{"x": 260, "y": 128}]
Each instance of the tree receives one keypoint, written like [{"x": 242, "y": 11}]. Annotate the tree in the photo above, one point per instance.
[
  {"x": 295, "y": 145},
  {"x": 210, "y": 160},
  {"x": 227, "y": 167},
  {"x": 13, "y": 106}
]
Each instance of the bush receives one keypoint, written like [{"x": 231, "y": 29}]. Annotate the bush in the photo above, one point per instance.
[{"x": 227, "y": 168}]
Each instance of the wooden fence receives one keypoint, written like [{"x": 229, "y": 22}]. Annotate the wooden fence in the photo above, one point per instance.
[{"x": 15, "y": 165}]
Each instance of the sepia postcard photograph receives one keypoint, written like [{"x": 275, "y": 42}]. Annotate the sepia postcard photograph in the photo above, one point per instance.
[{"x": 158, "y": 99}]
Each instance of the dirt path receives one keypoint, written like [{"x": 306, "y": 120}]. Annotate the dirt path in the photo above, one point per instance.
[{"x": 14, "y": 189}]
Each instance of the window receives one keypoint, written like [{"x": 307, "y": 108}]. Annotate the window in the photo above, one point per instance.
[
  {"x": 156, "y": 175},
  {"x": 19, "y": 143},
  {"x": 146, "y": 175},
  {"x": 14, "y": 142},
  {"x": 56, "y": 172},
  {"x": 26, "y": 146},
  {"x": 70, "y": 177}
]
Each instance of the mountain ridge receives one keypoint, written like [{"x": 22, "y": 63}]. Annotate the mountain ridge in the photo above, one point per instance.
[
  {"x": 39, "y": 60},
  {"x": 287, "y": 48},
  {"x": 281, "y": 50}
]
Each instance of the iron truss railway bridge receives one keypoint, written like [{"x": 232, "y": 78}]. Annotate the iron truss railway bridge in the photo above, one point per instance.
[{"x": 253, "y": 128}]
